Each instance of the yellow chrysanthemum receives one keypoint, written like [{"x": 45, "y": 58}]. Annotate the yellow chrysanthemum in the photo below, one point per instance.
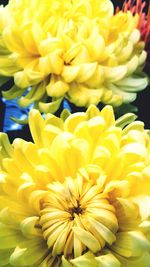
[
  {"x": 75, "y": 49},
  {"x": 79, "y": 195}
]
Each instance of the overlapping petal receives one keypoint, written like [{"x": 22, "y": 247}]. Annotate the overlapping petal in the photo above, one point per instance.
[
  {"x": 79, "y": 50},
  {"x": 79, "y": 194}
]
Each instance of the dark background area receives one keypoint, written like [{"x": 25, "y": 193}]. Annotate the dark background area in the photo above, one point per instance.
[
  {"x": 3, "y": 2},
  {"x": 142, "y": 102}
]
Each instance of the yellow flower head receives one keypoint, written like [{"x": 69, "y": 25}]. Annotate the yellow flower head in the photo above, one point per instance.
[
  {"x": 75, "y": 49},
  {"x": 79, "y": 195}
]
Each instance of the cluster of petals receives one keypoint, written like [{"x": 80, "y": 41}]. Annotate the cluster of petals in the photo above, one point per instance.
[
  {"x": 76, "y": 49},
  {"x": 138, "y": 7},
  {"x": 79, "y": 194}
]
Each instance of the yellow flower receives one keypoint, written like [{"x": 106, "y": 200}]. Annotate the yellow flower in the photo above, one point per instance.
[
  {"x": 75, "y": 49},
  {"x": 79, "y": 195}
]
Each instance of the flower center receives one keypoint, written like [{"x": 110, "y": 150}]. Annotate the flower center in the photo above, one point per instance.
[
  {"x": 75, "y": 210},
  {"x": 76, "y": 216}
]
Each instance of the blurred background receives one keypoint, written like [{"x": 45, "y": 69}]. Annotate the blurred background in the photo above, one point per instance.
[{"x": 10, "y": 108}]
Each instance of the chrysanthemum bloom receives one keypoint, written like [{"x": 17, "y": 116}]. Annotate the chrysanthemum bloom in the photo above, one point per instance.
[
  {"x": 76, "y": 49},
  {"x": 79, "y": 195},
  {"x": 137, "y": 7}
]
